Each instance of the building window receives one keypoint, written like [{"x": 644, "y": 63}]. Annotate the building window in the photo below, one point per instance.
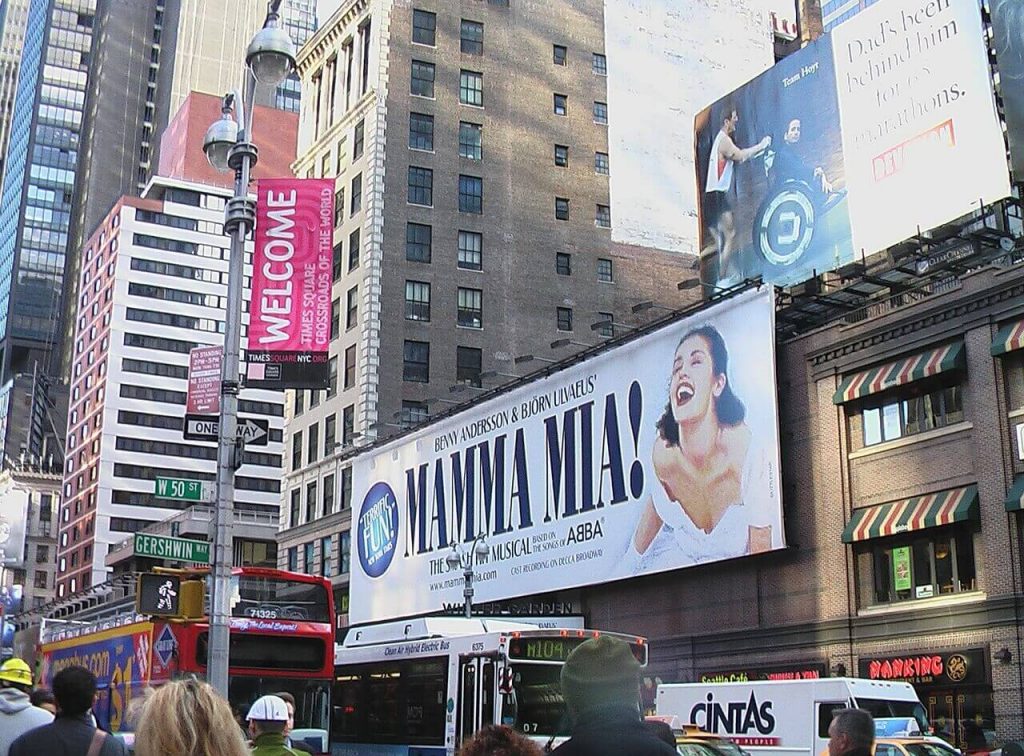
[
  {"x": 600, "y": 64},
  {"x": 563, "y": 263},
  {"x": 468, "y": 362},
  {"x": 601, "y": 163},
  {"x": 416, "y": 362},
  {"x": 300, "y": 402},
  {"x": 418, "y": 240},
  {"x": 348, "y": 425},
  {"x": 422, "y": 79},
  {"x": 471, "y": 247},
  {"x": 339, "y": 207},
  {"x": 353, "y": 250},
  {"x": 470, "y": 140},
  {"x": 424, "y": 26},
  {"x": 564, "y": 318},
  {"x": 933, "y": 562},
  {"x": 351, "y": 308},
  {"x": 927, "y": 408},
  {"x": 561, "y": 208},
  {"x": 561, "y": 104},
  {"x": 332, "y": 377},
  {"x": 559, "y": 55},
  {"x": 311, "y": 501},
  {"x": 472, "y": 37},
  {"x": 421, "y": 186},
  {"x": 421, "y": 131},
  {"x": 603, "y": 216},
  {"x": 471, "y": 194},
  {"x": 336, "y": 263},
  {"x": 344, "y": 552},
  {"x": 606, "y": 329},
  {"x": 308, "y": 550},
  {"x": 345, "y": 496},
  {"x": 604, "y": 270},
  {"x": 357, "y": 194},
  {"x": 601, "y": 112},
  {"x": 330, "y": 438},
  {"x": 350, "y": 367},
  {"x": 313, "y": 443},
  {"x": 417, "y": 301},
  {"x": 335, "y": 318},
  {"x": 325, "y": 556},
  {"x": 471, "y": 88},
  {"x": 413, "y": 413},
  {"x": 357, "y": 141},
  {"x": 328, "y": 491},
  {"x": 297, "y": 450},
  {"x": 293, "y": 558},
  {"x": 470, "y": 308},
  {"x": 561, "y": 156}
]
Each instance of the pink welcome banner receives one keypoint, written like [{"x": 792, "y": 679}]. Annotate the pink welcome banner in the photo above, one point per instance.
[{"x": 290, "y": 306}]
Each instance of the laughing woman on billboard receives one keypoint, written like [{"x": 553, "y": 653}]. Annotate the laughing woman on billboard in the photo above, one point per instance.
[{"x": 713, "y": 488}]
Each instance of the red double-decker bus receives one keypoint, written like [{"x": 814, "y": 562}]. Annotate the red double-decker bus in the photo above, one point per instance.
[{"x": 282, "y": 639}]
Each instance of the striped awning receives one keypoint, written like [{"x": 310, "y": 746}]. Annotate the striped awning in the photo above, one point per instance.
[
  {"x": 918, "y": 513},
  {"x": 1015, "y": 496},
  {"x": 900, "y": 372},
  {"x": 1009, "y": 339}
]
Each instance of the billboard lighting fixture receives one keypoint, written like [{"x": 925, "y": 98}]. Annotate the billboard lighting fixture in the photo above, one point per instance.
[
  {"x": 441, "y": 399},
  {"x": 605, "y": 324},
  {"x": 559, "y": 343},
  {"x": 645, "y": 306},
  {"x": 524, "y": 358},
  {"x": 463, "y": 386},
  {"x": 496, "y": 374}
]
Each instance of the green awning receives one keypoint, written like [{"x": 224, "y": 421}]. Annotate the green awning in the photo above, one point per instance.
[
  {"x": 1015, "y": 496},
  {"x": 901, "y": 372},
  {"x": 1009, "y": 339},
  {"x": 917, "y": 513}
]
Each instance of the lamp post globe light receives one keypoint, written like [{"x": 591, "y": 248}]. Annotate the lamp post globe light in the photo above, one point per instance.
[
  {"x": 228, "y": 146},
  {"x": 467, "y": 559}
]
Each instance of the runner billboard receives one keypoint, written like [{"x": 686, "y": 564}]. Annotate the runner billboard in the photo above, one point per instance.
[
  {"x": 879, "y": 129},
  {"x": 13, "y": 521},
  {"x": 593, "y": 473},
  {"x": 1008, "y": 33}
]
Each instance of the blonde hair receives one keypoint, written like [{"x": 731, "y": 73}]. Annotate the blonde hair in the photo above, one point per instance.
[{"x": 188, "y": 718}]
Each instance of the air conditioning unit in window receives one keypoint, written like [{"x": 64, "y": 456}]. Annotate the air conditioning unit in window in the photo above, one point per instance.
[{"x": 1020, "y": 440}]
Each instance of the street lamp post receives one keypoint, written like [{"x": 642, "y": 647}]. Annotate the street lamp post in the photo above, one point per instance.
[
  {"x": 467, "y": 560},
  {"x": 228, "y": 146}
]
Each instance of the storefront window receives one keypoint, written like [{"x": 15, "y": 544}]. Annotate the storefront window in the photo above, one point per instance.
[
  {"x": 926, "y": 408},
  {"x": 937, "y": 562}
]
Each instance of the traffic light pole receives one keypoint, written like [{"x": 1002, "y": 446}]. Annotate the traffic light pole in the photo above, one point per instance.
[{"x": 239, "y": 221}]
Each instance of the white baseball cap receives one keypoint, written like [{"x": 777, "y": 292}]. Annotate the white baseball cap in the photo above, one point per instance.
[{"x": 268, "y": 709}]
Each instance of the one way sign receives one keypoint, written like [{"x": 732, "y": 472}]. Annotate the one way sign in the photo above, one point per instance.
[{"x": 251, "y": 431}]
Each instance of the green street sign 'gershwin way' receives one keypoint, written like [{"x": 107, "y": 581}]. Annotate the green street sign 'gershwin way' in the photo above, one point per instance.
[{"x": 177, "y": 549}]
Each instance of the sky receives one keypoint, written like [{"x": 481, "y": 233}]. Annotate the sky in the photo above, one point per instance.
[{"x": 324, "y": 9}]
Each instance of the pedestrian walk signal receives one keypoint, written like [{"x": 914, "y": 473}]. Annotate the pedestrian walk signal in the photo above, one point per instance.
[{"x": 158, "y": 595}]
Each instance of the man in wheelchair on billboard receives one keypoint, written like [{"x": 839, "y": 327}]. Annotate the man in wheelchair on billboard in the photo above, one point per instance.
[{"x": 799, "y": 197}]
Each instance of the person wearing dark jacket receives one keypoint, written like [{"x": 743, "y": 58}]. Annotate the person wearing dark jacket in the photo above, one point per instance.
[
  {"x": 601, "y": 686},
  {"x": 72, "y": 733},
  {"x": 852, "y": 733}
]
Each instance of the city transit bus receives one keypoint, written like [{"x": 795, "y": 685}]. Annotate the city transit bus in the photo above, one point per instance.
[
  {"x": 424, "y": 686},
  {"x": 282, "y": 639}
]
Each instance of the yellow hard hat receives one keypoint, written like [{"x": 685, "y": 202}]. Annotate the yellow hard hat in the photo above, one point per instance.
[{"x": 16, "y": 671}]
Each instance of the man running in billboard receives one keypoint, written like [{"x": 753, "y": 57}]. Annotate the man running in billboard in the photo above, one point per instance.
[
  {"x": 713, "y": 490},
  {"x": 718, "y": 212}
]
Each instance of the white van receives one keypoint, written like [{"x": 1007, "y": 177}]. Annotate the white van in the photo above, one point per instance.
[{"x": 784, "y": 717}]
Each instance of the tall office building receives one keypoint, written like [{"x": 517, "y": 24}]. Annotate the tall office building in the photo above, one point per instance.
[
  {"x": 39, "y": 178},
  {"x": 479, "y": 229},
  {"x": 834, "y": 12},
  {"x": 13, "y": 19}
]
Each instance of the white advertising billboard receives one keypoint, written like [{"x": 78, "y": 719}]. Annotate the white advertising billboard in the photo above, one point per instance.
[
  {"x": 658, "y": 454},
  {"x": 665, "y": 58},
  {"x": 885, "y": 127},
  {"x": 13, "y": 517}
]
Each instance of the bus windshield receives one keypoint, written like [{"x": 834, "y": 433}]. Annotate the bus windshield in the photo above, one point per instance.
[
  {"x": 535, "y": 706},
  {"x": 311, "y": 697},
  {"x": 262, "y": 597}
]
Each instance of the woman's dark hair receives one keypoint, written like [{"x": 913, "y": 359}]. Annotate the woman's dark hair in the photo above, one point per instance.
[
  {"x": 41, "y": 696},
  {"x": 728, "y": 408}
]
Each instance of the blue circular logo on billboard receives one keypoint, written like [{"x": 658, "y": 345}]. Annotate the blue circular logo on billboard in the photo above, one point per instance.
[{"x": 377, "y": 529}]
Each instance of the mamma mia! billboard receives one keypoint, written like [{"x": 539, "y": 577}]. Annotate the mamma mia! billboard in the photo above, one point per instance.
[
  {"x": 883, "y": 127},
  {"x": 659, "y": 454}
]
